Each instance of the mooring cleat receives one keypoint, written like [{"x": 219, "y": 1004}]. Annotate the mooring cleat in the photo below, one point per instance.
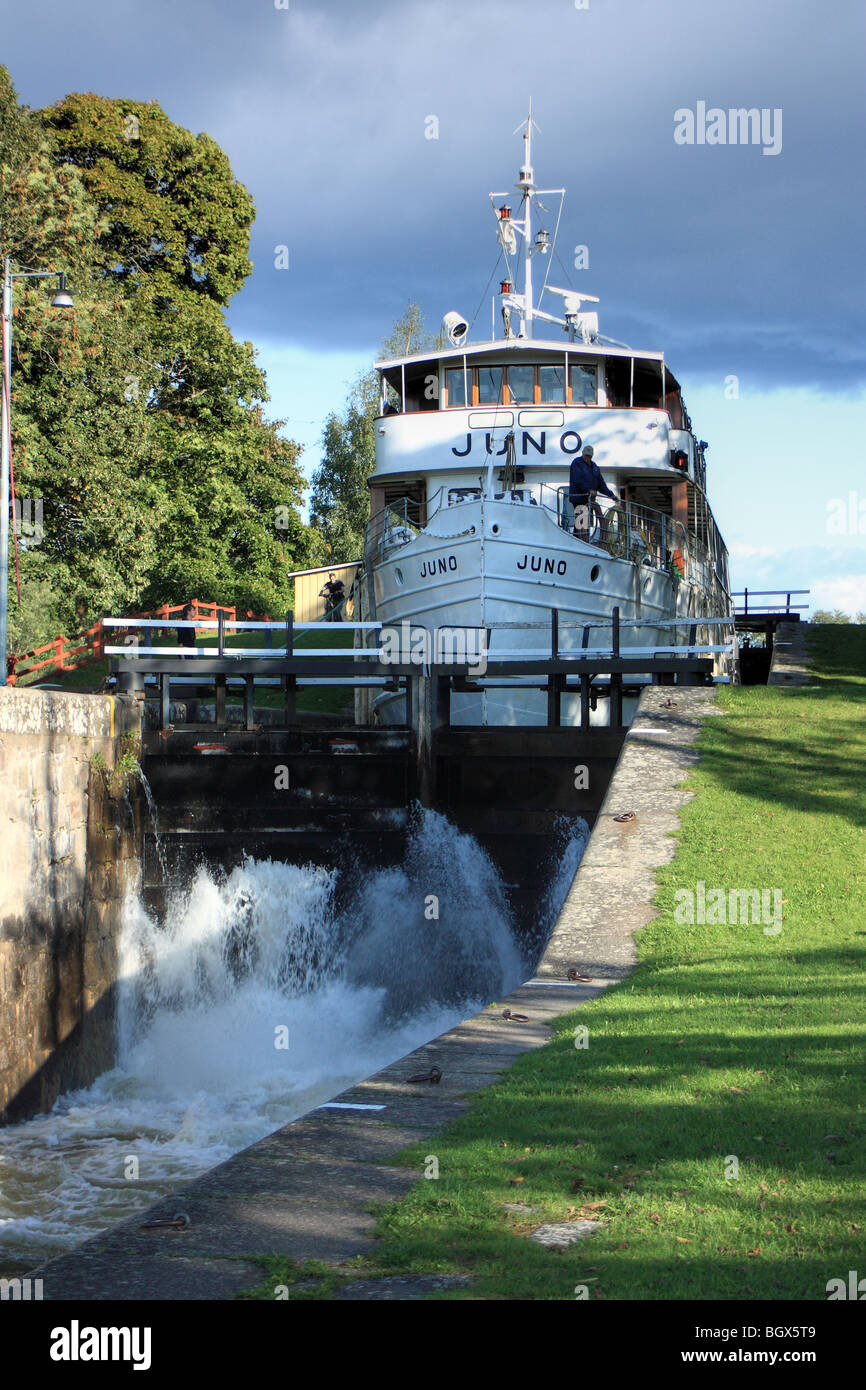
[
  {"x": 178, "y": 1223},
  {"x": 434, "y": 1076}
]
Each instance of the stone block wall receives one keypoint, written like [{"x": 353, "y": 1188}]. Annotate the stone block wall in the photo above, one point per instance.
[{"x": 68, "y": 851}]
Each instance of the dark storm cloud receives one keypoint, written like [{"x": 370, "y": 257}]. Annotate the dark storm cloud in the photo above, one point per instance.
[{"x": 732, "y": 260}]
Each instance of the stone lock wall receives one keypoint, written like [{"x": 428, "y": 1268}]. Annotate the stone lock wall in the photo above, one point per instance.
[{"x": 68, "y": 851}]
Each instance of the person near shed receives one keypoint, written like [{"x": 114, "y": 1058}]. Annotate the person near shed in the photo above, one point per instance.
[
  {"x": 186, "y": 639},
  {"x": 186, "y": 635},
  {"x": 333, "y": 592}
]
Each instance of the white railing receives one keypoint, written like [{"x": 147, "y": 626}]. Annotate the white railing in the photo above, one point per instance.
[
  {"x": 133, "y": 647},
  {"x": 642, "y": 534}
]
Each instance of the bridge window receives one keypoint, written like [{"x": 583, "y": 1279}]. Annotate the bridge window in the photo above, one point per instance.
[
  {"x": 522, "y": 384},
  {"x": 521, "y": 387},
  {"x": 455, "y": 384},
  {"x": 551, "y": 381},
  {"x": 584, "y": 384},
  {"x": 489, "y": 385}
]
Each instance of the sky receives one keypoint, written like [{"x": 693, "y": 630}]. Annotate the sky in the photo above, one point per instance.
[{"x": 370, "y": 132}]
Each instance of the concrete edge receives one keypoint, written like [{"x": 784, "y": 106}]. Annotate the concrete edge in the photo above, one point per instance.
[
  {"x": 611, "y": 896},
  {"x": 790, "y": 660}
]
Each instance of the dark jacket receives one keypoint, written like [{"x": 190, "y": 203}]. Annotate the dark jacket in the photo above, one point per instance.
[{"x": 585, "y": 476}]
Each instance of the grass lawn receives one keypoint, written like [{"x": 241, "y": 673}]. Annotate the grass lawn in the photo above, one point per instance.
[{"x": 715, "y": 1123}]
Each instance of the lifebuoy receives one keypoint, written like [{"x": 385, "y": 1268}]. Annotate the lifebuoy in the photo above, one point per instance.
[{"x": 614, "y": 537}]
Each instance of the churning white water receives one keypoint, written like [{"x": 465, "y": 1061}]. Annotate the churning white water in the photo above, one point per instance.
[{"x": 351, "y": 975}]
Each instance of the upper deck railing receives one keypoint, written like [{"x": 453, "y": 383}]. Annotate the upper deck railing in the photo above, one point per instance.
[{"x": 626, "y": 530}]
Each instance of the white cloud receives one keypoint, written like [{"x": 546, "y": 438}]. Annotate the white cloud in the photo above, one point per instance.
[
  {"x": 848, "y": 593},
  {"x": 738, "y": 550}
]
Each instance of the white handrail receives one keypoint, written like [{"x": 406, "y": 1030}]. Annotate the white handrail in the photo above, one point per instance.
[
  {"x": 625, "y": 622},
  {"x": 374, "y": 653},
  {"x": 235, "y": 624},
  {"x": 134, "y": 649},
  {"x": 602, "y": 653}
]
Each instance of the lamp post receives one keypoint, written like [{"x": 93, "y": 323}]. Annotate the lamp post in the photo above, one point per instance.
[{"x": 61, "y": 299}]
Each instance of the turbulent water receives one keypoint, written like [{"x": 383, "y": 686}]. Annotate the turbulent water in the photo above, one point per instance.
[{"x": 350, "y": 970}]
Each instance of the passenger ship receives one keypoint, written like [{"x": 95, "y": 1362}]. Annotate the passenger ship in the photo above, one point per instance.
[{"x": 471, "y": 524}]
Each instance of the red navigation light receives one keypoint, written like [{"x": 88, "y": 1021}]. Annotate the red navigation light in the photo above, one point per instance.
[
  {"x": 505, "y": 287},
  {"x": 504, "y": 213}
]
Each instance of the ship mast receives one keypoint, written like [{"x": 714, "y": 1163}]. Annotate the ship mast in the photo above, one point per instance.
[
  {"x": 526, "y": 183},
  {"x": 575, "y": 322}
]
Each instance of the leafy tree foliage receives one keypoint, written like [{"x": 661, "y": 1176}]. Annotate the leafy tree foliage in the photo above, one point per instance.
[
  {"x": 826, "y": 615},
  {"x": 176, "y": 219},
  {"x": 137, "y": 418}
]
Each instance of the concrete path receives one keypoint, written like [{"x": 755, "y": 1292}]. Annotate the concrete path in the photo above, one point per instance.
[
  {"x": 307, "y": 1190},
  {"x": 610, "y": 898}
]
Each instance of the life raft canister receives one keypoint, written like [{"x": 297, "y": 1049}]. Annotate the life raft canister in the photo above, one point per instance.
[{"x": 639, "y": 534}]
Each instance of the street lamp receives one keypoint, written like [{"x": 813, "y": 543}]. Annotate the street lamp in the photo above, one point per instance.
[{"x": 62, "y": 299}]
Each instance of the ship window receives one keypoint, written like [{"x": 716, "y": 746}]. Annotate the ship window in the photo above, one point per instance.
[
  {"x": 520, "y": 384},
  {"x": 551, "y": 380},
  {"x": 584, "y": 385},
  {"x": 455, "y": 383},
  {"x": 489, "y": 385}
]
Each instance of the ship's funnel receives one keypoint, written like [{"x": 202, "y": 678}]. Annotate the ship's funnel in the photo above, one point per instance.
[{"x": 456, "y": 327}]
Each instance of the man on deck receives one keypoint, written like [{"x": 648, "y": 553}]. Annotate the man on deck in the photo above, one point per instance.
[{"x": 585, "y": 478}]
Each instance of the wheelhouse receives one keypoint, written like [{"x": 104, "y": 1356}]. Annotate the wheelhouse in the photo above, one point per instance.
[{"x": 537, "y": 373}]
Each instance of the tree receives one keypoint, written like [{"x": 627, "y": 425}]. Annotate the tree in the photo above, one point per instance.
[
  {"x": 825, "y": 615},
  {"x": 340, "y": 500},
  {"x": 138, "y": 419},
  {"x": 176, "y": 218},
  {"x": 176, "y": 246},
  {"x": 66, "y": 435}
]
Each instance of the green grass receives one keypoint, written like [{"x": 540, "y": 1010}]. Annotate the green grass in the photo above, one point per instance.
[
  {"x": 79, "y": 678},
  {"x": 724, "y": 1043},
  {"x": 301, "y": 1280}
]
